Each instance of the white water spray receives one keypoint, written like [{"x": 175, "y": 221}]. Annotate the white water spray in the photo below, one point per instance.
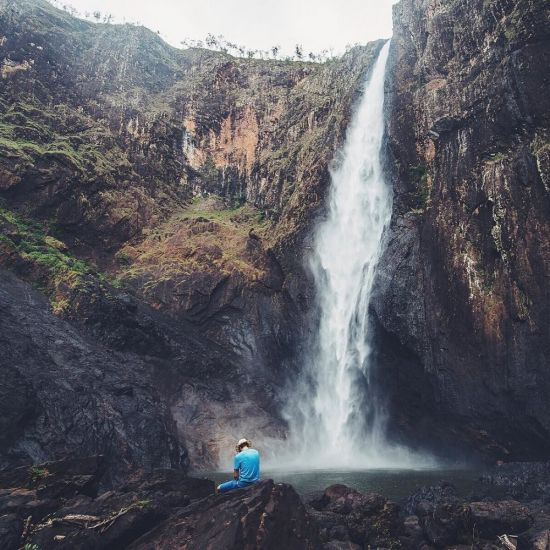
[{"x": 334, "y": 418}]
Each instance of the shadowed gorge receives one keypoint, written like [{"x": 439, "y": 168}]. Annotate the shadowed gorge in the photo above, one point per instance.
[
  {"x": 351, "y": 253},
  {"x": 161, "y": 198},
  {"x": 463, "y": 286}
]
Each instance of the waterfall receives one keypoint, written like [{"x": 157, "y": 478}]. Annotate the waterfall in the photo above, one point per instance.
[{"x": 334, "y": 417}]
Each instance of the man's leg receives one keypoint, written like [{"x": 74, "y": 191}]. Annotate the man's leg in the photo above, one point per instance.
[{"x": 228, "y": 486}]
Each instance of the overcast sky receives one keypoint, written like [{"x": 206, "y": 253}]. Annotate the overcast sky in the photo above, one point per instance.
[{"x": 257, "y": 24}]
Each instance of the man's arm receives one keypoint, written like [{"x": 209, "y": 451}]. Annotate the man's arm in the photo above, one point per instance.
[{"x": 235, "y": 474}]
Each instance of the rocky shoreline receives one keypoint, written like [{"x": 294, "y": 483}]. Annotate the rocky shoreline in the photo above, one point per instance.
[{"x": 64, "y": 505}]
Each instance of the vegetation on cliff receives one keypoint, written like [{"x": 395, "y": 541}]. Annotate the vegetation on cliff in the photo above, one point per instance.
[{"x": 29, "y": 249}]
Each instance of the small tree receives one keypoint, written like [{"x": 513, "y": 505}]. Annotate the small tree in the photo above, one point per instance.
[
  {"x": 211, "y": 41},
  {"x": 299, "y": 51}
]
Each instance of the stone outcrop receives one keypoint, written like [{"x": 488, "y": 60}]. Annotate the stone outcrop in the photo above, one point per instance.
[
  {"x": 63, "y": 505},
  {"x": 522, "y": 480},
  {"x": 164, "y": 200},
  {"x": 346, "y": 517},
  {"x": 58, "y": 505},
  {"x": 437, "y": 516},
  {"x": 62, "y": 395},
  {"x": 187, "y": 181},
  {"x": 268, "y": 515},
  {"x": 432, "y": 517},
  {"x": 462, "y": 306}
]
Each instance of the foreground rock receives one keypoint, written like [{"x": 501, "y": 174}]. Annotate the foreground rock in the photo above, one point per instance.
[
  {"x": 57, "y": 505},
  {"x": 523, "y": 480},
  {"x": 267, "y": 515},
  {"x": 348, "y": 519},
  {"x": 60, "y": 505},
  {"x": 433, "y": 517},
  {"x": 437, "y": 517}
]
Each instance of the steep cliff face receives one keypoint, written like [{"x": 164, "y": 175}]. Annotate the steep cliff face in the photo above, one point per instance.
[
  {"x": 463, "y": 305},
  {"x": 162, "y": 198},
  {"x": 63, "y": 395}
]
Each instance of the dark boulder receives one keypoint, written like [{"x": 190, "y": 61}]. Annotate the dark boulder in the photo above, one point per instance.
[
  {"x": 490, "y": 519},
  {"x": 38, "y": 512},
  {"x": 437, "y": 512},
  {"x": 425, "y": 499},
  {"x": 344, "y": 500},
  {"x": 346, "y": 516},
  {"x": 439, "y": 517},
  {"x": 267, "y": 515},
  {"x": 522, "y": 480},
  {"x": 412, "y": 534}
]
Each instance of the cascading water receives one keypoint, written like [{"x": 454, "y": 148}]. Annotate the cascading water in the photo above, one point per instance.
[{"x": 334, "y": 421}]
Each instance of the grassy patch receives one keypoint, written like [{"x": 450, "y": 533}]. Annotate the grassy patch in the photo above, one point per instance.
[
  {"x": 43, "y": 260},
  {"x": 143, "y": 503},
  {"x": 32, "y": 132},
  {"x": 419, "y": 175},
  {"x": 206, "y": 236},
  {"x": 37, "y": 473},
  {"x": 30, "y": 242},
  {"x": 214, "y": 208}
]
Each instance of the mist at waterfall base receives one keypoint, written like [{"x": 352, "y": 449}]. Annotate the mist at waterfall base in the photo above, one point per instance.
[{"x": 336, "y": 419}]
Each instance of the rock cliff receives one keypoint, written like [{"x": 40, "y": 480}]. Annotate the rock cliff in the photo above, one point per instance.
[
  {"x": 164, "y": 201},
  {"x": 463, "y": 304},
  {"x": 61, "y": 395}
]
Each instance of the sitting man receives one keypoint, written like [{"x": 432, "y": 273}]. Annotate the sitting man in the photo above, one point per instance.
[{"x": 246, "y": 467}]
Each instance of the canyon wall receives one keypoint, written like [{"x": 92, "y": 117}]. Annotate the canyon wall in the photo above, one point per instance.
[
  {"x": 164, "y": 201},
  {"x": 463, "y": 308}
]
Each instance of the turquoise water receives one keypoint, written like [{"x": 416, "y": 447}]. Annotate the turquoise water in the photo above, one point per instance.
[{"x": 393, "y": 484}]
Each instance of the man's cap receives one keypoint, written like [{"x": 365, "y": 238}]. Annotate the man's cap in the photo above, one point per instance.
[{"x": 242, "y": 441}]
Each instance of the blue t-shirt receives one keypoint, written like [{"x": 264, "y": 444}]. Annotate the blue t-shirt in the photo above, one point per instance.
[{"x": 248, "y": 464}]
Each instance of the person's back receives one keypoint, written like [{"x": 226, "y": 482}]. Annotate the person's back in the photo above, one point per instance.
[
  {"x": 248, "y": 464},
  {"x": 246, "y": 468}
]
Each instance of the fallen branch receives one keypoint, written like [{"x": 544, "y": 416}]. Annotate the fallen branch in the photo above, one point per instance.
[{"x": 109, "y": 521}]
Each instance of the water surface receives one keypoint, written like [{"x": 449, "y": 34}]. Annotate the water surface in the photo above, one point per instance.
[{"x": 391, "y": 483}]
